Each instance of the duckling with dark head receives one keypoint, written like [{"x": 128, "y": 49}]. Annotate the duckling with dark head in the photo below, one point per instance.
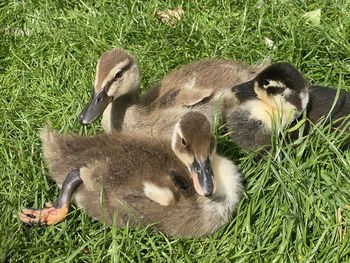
[
  {"x": 181, "y": 185},
  {"x": 276, "y": 97}
]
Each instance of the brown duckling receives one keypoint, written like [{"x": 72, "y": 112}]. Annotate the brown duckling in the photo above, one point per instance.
[
  {"x": 198, "y": 86},
  {"x": 276, "y": 97},
  {"x": 181, "y": 185}
]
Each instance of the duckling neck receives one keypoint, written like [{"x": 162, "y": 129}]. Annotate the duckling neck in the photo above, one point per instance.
[
  {"x": 114, "y": 115},
  {"x": 228, "y": 190}
]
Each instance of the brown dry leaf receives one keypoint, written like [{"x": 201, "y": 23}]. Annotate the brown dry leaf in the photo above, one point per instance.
[
  {"x": 170, "y": 16},
  {"x": 17, "y": 31}
]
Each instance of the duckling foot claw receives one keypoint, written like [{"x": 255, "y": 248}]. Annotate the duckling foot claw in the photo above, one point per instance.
[
  {"x": 45, "y": 216},
  {"x": 48, "y": 204}
]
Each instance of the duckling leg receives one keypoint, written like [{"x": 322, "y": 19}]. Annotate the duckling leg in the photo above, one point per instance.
[{"x": 56, "y": 212}]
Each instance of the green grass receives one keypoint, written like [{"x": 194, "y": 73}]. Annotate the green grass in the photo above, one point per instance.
[{"x": 48, "y": 51}]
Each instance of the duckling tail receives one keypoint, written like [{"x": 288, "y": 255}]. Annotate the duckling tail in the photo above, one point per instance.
[
  {"x": 61, "y": 153},
  {"x": 51, "y": 143}
]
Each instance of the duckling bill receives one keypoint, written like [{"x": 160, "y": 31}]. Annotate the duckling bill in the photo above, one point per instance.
[
  {"x": 94, "y": 109},
  {"x": 202, "y": 176},
  {"x": 115, "y": 71},
  {"x": 276, "y": 97},
  {"x": 181, "y": 185}
]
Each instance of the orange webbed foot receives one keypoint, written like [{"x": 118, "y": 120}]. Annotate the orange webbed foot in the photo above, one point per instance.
[
  {"x": 56, "y": 212},
  {"x": 45, "y": 216}
]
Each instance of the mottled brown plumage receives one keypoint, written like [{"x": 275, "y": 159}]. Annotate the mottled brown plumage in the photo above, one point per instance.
[{"x": 123, "y": 172}]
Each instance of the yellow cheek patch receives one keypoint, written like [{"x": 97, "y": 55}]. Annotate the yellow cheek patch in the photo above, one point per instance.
[
  {"x": 269, "y": 100},
  {"x": 277, "y": 108},
  {"x": 270, "y": 116},
  {"x": 260, "y": 110}
]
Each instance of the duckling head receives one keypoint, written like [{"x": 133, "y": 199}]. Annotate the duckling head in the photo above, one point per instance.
[
  {"x": 194, "y": 144},
  {"x": 117, "y": 74},
  {"x": 281, "y": 86}
]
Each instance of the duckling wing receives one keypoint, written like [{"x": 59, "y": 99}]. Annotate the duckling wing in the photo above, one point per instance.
[
  {"x": 199, "y": 81},
  {"x": 189, "y": 97}
]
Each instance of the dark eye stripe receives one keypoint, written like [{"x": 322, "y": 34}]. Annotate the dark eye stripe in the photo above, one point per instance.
[{"x": 274, "y": 90}]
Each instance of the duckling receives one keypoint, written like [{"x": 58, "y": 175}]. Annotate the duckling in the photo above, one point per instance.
[
  {"x": 276, "y": 97},
  {"x": 181, "y": 185},
  {"x": 198, "y": 86}
]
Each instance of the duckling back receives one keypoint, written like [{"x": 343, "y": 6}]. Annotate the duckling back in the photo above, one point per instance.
[
  {"x": 127, "y": 153},
  {"x": 321, "y": 102},
  {"x": 203, "y": 82},
  {"x": 113, "y": 166}
]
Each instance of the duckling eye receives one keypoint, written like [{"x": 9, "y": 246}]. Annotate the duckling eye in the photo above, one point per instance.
[
  {"x": 118, "y": 75},
  {"x": 265, "y": 82},
  {"x": 183, "y": 142}
]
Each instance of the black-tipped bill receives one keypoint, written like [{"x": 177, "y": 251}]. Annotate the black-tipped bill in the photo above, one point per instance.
[
  {"x": 94, "y": 109},
  {"x": 203, "y": 177},
  {"x": 244, "y": 91}
]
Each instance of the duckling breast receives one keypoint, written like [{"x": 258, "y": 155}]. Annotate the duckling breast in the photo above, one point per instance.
[{"x": 246, "y": 131}]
